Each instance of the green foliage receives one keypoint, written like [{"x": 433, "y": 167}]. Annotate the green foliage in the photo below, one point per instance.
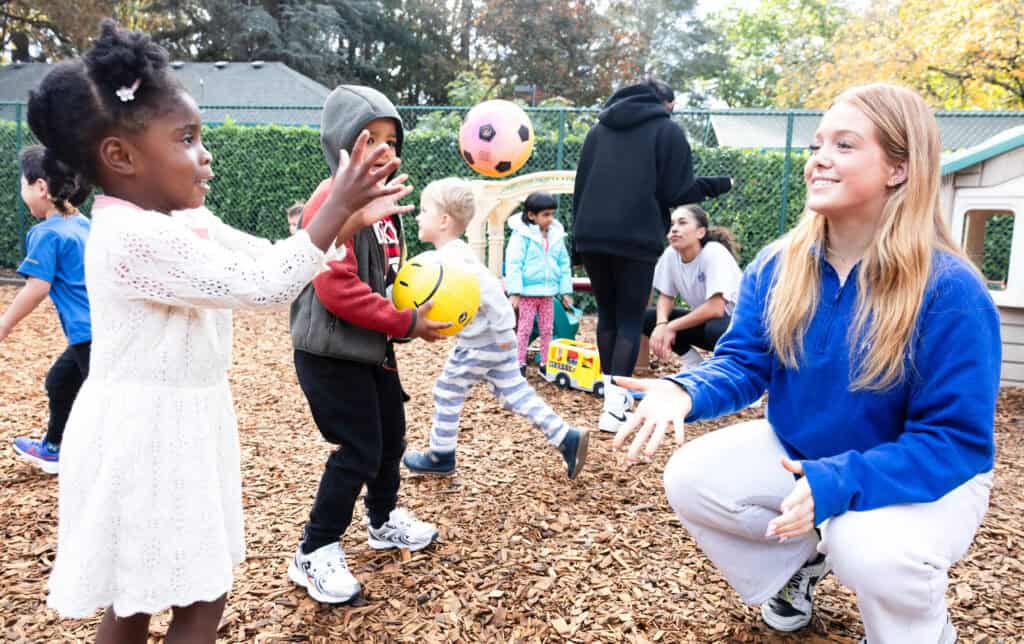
[
  {"x": 775, "y": 38},
  {"x": 13, "y": 223},
  {"x": 261, "y": 170}
]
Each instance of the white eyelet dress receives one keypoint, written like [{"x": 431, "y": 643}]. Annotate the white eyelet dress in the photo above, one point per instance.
[{"x": 150, "y": 503}]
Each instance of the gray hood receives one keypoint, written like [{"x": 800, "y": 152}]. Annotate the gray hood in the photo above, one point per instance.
[{"x": 347, "y": 110}]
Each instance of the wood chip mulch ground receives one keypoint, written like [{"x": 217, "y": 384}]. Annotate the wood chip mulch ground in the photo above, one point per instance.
[{"x": 524, "y": 556}]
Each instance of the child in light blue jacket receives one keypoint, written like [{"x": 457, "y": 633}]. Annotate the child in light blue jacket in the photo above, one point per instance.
[{"x": 537, "y": 268}]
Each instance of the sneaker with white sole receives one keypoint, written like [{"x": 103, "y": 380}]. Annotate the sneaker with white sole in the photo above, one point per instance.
[
  {"x": 41, "y": 453},
  {"x": 324, "y": 574},
  {"x": 948, "y": 635},
  {"x": 618, "y": 407},
  {"x": 790, "y": 609},
  {"x": 690, "y": 359},
  {"x": 402, "y": 530}
]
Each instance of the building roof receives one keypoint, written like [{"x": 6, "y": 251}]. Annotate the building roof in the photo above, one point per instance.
[
  {"x": 761, "y": 130},
  {"x": 1001, "y": 143},
  {"x": 221, "y": 89}
]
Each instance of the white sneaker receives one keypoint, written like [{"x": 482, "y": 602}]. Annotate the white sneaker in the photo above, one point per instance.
[
  {"x": 324, "y": 574},
  {"x": 618, "y": 406},
  {"x": 689, "y": 360},
  {"x": 402, "y": 530}
]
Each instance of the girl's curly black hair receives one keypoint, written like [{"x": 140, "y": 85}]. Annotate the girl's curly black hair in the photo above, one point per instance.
[{"x": 78, "y": 104}]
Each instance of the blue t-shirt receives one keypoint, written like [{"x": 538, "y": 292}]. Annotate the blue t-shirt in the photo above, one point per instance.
[{"x": 55, "y": 252}]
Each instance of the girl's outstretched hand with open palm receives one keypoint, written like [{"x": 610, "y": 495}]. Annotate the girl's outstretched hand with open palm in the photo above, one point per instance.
[
  {"x": 359, "y": 191},
  {"x": 665, "y": 403}
]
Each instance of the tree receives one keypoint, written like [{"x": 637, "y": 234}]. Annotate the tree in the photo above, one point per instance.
[
  {"x": 48, "y": 29},
  {"x": 673, "y": 44},
  {"x": 779, "y": 39},
  {"x": 565, "y": 48},
  {"x": 960, "y": 54}
]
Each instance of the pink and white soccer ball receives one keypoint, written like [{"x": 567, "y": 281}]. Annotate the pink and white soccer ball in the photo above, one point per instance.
[{"x": 496, "y": 138}]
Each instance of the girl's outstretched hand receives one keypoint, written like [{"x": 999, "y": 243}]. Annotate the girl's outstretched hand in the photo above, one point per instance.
[
  {"x": 664, "y": 403},
  {"x": 797, "y": 508},
  {"x": 379, "y": 208},
  {"x": 357, "y": 182},
  {"x": 359, "y": 186}
]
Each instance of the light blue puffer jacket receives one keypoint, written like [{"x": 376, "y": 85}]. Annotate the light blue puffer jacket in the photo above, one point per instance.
[{"x": 529, "y": 269}]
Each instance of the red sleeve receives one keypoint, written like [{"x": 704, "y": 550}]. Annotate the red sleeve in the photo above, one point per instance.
[
  {"x": 345, "y": 295},
  {"x": 315, "y": 201}
]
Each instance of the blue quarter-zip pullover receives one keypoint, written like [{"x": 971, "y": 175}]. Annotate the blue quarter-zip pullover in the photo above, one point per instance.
[{"x": 862, "y": 450}]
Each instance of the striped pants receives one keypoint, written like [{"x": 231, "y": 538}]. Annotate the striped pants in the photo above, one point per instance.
[{"x": 498, "y": 366}]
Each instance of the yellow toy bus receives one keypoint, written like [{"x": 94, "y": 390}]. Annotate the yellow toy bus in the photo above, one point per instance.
[{"x": 575, "y": 364}]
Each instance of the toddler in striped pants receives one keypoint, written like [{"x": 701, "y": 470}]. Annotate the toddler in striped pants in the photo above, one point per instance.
[{"x": 486, "y": 349}]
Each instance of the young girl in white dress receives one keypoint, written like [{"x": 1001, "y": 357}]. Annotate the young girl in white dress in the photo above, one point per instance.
[{"x": 150, "y": 506}]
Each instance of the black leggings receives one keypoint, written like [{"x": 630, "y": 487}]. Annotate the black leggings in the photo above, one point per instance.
[
  {"x": 622, "y": 288},
  {"x": 63, "y": 381},
  {"x": 704, "y": 335}
]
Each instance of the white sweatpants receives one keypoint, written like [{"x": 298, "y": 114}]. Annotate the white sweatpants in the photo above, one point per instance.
[{"x": 728, "y": 484}]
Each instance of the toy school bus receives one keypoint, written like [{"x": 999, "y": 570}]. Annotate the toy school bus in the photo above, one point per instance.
[{"x": 574, "y": 364}]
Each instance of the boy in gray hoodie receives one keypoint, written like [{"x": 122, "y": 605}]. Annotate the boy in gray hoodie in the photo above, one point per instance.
[{"x": 342, "y": 327}]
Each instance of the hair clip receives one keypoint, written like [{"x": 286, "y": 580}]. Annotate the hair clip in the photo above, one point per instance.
[{"x": 127, "y": 93}]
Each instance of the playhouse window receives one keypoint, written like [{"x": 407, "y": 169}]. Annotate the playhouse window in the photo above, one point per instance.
[{"x": 987, "y": 241}]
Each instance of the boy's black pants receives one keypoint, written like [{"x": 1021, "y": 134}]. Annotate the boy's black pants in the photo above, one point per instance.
[
  {"x": 63, "y": 381},
  {"x": 360, "y": 408}
]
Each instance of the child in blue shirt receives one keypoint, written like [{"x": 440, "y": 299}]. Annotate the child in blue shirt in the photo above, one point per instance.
[
  {"x": 876, "y": 457},
  {"x": 54, "y": 266}
]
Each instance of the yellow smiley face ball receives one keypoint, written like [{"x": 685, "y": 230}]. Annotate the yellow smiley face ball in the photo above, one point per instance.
[{"x": 453, "y": 289}]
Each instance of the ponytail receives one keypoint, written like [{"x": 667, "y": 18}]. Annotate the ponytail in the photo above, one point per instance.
[{"x": 723, "y": 236}]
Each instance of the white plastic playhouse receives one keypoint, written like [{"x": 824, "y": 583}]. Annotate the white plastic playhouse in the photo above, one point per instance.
[{"x": 983, "y": 198}]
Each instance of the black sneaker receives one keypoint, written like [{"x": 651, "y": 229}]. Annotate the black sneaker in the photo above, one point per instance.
[
  {"x": 790, "y": 609},
  {"x": 574, "y": 451},
  {"x": 430, "y": 462}
]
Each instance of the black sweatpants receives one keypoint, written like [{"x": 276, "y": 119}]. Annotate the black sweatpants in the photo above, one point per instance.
[
  {"x": 63, "y": 381},
  {"x": 622, "y": 288},
  {"x": 704, "y": 335},
  {"x": 360, "y": 408}
]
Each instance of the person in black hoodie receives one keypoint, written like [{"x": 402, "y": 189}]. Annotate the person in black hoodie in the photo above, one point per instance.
[{"x": 635, "y": 167}]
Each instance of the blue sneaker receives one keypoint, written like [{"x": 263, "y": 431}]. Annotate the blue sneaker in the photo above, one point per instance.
[
  {"x": 574, "y": 450},
  {"x": 41, "y": 453},
  {"x": 430, "y": 462}
]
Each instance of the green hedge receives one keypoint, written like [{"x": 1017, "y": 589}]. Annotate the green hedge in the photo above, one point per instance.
[{"x": 261, "y": 170}]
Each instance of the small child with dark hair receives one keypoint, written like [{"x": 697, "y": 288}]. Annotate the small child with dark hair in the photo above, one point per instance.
[
  {"x": 294, "y": 214},
  {"x": 486, "y": 348},
  {"x": 343, "y": 326},
  {"x": 699, "y": 265},
  {"x": 537, "y": 268},
  {"x": 150, "y": 499},
  {"x": 54, "y": 265}
]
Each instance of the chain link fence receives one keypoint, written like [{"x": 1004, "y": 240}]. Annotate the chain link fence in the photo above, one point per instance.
[{"x": 267, "y": 158}]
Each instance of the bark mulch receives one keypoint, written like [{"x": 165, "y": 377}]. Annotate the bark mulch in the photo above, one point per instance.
[{"x": 524, "y": 555}]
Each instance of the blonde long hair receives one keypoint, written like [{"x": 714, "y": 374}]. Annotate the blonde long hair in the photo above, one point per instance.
[{"x": 896, "y": 266}]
